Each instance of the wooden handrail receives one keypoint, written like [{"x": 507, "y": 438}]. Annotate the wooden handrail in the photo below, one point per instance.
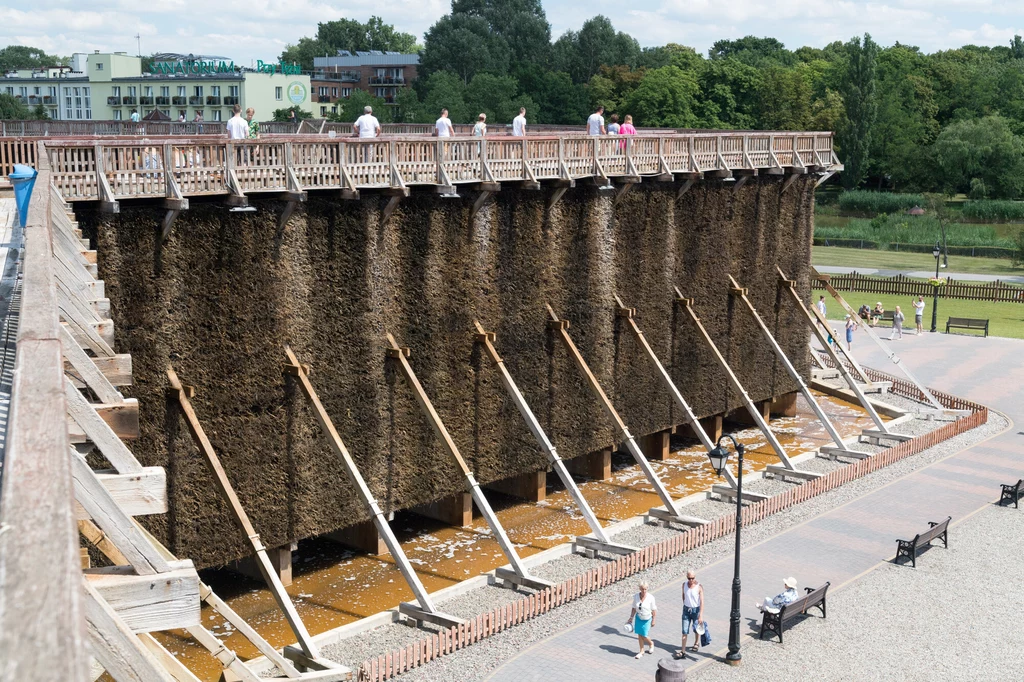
[
  {"x": 98, "y": 169},
  {"x": 42, "y": 634}
]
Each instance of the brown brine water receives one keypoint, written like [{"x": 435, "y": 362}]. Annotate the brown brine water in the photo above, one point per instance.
[{"x": 333, "y": 586}]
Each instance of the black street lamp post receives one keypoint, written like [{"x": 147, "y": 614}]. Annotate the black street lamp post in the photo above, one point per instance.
[
  {"x": 935, "y": 298},
  {"x": 719, "y": 456}
]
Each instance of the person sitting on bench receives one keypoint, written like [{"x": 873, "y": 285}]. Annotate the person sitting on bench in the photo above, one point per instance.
[
  {"x": 864, "y": 312},
  {"x": 876, "y": 314},
  {"x": 787, "y": 596}
]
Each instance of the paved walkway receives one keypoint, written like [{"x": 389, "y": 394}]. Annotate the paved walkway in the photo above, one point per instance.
[
  {"x": 839, "y": 545},
  {"x": 920, "y": 274}
]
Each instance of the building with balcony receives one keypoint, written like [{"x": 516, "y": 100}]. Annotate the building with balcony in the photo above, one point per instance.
[
  {"x": 108, "y": 86},
  {"x": 382, "y": 74}
]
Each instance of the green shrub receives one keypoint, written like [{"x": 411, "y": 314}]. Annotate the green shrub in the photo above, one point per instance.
[
  {"x": 866, "y": 201},
  {"x": 890, "y": 230},
  {"x": 993, "y": 210}
]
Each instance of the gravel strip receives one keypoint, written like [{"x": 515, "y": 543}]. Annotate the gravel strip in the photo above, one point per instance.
[
  {"x": 916, "y": 632},
  {"x": 481, "y": 659}
]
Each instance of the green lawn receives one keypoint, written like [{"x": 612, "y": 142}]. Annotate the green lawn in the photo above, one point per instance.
[
  {"x": 901, "y": 260},
  {"x": 1005, "y": 319}
]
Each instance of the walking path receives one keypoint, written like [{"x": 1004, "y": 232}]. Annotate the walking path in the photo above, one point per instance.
[
  {"x": 838, "y": 546},
  {"x": 920, "y": 274}
]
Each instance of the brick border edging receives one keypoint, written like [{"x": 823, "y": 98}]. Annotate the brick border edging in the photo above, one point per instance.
[{"x": 388, "y": 666}]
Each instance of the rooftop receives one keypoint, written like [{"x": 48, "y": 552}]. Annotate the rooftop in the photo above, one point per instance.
[{"x": 371, "y": 58}]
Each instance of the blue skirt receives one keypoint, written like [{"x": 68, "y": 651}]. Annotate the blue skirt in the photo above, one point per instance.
[{"x": 641, "y": 627}]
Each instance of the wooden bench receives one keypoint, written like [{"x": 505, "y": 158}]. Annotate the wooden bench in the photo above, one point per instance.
[
  {"x": 966, "y": 323},
  {"x": 907, "y": 549},
  {"x": 886, "y": 318},
  {"x": 774, "y": 622},
  {"x": 1011, "y": 493}
]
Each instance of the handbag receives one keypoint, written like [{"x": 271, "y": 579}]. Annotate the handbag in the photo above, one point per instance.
[{"x": 705, "y": 638}]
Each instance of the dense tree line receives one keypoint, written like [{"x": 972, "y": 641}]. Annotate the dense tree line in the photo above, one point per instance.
[{"x": 950, "y": 121}]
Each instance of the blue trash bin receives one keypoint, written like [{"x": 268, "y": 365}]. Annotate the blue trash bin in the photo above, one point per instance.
[{"x": 23, "y": 179}]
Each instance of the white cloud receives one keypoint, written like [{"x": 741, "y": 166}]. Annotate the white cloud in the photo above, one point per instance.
[{"x": 246, "y": 30}]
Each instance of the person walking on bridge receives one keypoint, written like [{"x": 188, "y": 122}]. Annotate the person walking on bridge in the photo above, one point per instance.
[
  {"x": 443, "y": 126},
  {"x": 238, "y": 128},
  {"x": 519, "y": 123},
  {"x": 366, "y": 125},
  {"x": 595, "y": 124}
]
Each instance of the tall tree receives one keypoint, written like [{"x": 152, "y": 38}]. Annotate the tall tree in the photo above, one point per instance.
[
  {"x": 13, "y": 109},
  {"x": 464, "y": 45},
  {"x": 859, "y": 90},
  {"x": 522, "y": 23},
  {"x": 351, "y": 35},
  {"x": 666, "y": 97},
  {"x": 984, "y": 150},
  {"x": 581, "y": 53},
  {"x": 753, "y": 51},
  {"x": 24, "y": 57}
]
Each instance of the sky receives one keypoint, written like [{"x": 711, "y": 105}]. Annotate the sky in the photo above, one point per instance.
[{"x": 247, "y": 30}]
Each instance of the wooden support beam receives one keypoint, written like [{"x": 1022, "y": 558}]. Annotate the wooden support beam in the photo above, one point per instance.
[
  {"x": 99, "y": 431},
  {"x": 531, "y": 486},
  {"x": 227, "y": 491},
  {"x": 893, "y": 357},
  {"x": 150, "y": 603},
  {"x": 280, "y": 561},
  {"x": 684, "y": 188},
  {"x": 108, "y": 204},
  {"x": 780, "y": 452},
  {"x": 167, "y": 660},
  {"x": 401, "y": 355},
  {"x": 295, "y": 369},
  {"x": 122, "y": 418},
  {"x": 556, "y": 196},
  {"x": 655, "y": 445},
  {"x": 784, "y": 405},
  {"x": 115, "y": 646},
  {"x": 478, "y": 203},
  {"x": 114, "y": 522},
  {"x": 389, "y": 208},
  {"x": 596, "y": 466},
  {"x": 86, "y": 369},
  {"x": 622, "y": 189},
  {"x": 454, "y": 510},
  {"x": 117, "y": 369},
  {"x": 560, "y": 327},
  {"x": 138, "y": 494},
  {"x": 790, "y": 179},
  {"x": 362, "y": 536}
]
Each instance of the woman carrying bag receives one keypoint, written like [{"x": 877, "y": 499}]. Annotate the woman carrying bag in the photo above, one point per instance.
[
  {"x": 693, "y": 611},
  {"x": 642, "y": 617}
]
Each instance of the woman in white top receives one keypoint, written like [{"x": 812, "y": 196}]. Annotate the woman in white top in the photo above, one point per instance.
[
  {"x": 480, "y": 129},
  {"x": 643, "y": 615},
  {"x": 693, "y": 611}
]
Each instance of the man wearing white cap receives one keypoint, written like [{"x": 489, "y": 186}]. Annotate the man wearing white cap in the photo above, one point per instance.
[{"x": 789, "y": 595}]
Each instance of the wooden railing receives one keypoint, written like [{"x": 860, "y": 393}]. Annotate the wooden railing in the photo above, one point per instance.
[
  {"x": 42, "y": 634},
  {"x": 903, "y": 286},
  {"x": 88, "y": 170},
  {"x": 16, "y": 150}
]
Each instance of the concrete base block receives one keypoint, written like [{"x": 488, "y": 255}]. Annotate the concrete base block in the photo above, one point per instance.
[
  {"x": 596, "y": 465},
  {"x": 456, "y": 510},
  {"x": 784, "y": 405},
  {"x": 362, "y": 536},
  {"x": 655, "y": 446},
  {"x": 742, "y": 415},
  {"x": 531, "y": 486},
  {"x": 280, "y": 559}
]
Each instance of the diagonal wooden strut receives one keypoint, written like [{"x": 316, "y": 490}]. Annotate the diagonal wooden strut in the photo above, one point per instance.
[
  {"x": 293, "y": 368},
  {"x": 225, "y": 488},
  {"x": 561, "y": 327},
  {"x": 702, "y": 435},
  {"x": 486, "y": 339},
  {"x": 896, "y": 360},
  {"x": 755, "y": 414},
  {"x": 865, "y": 403},
  {"x": 790, "y": 369},
  {"x": 519, "y": 573}
]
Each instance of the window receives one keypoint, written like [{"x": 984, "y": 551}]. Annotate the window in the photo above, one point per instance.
[
  {"x": 277, "y": 93},
  {"x": 35, "y": 90},
  {"x": 181, "y": 91},
  {"x": 233, "y": 90},
  {"x": 132, "y": 91},
  {"x": 334, "y": 109},
  {"x": 323, "y": 91},
  {"x": 323, "y": 111},
  {"x": 148, "y": 91},
  {"x": 346, "y": 92},
  {"x": 10, "y": 89},
  {"x": 99, "y": 66},
  {"x": 215, "y": 90},
  {"x": 216, "y": 115},
  {"x": 381, "y": 92},
  {"x": 165, "y": 91},
  {"x": 199, "y": 91},
  {"x": 166, "y": 112},
  {"x": 23, "y": 91},
  {"x": 117, "y": 114},
  {"x": 115, "y": 91},
  {"x": 334, "y": 92},
  {"x": 381, "y": 73}
]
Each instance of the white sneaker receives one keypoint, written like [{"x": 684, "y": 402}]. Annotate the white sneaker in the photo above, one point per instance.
[
  {"x": 650, "y": 649},
  {"x": 639, "y": 655}
]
